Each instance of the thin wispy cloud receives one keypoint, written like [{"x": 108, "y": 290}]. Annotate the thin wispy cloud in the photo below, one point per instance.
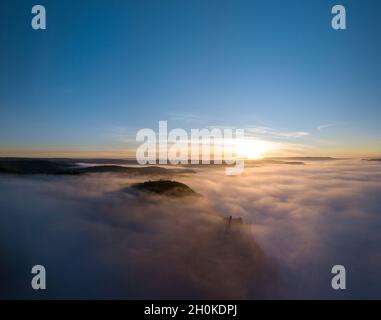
[
  {"x": 186, "y": 118},
  {"x": 278, "y": 143},
  {"x": 266, "y": 132},
  {"x": 273, "y": 133},
  {"x": 120, "y": 134},
  {"x": 326, "y": 126}
]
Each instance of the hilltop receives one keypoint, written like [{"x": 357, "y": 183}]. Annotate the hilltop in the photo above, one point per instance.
[{"x": 165, "y": 187}]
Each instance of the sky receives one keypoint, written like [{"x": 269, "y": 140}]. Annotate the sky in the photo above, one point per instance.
[{"x": 102, "y": 70}]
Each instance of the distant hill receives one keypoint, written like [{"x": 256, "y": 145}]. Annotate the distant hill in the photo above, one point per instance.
[
  {"x": 35, "y": 166},
  {"x": 154, "y": 170},
  {"x": 70, "y": 167}
]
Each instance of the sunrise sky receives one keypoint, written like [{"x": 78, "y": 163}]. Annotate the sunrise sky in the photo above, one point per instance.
[{"x": 103, "y": 70}]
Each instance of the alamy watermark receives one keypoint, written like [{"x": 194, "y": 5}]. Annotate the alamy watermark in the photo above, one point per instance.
[
  {"x": 339, "y": 281},
  {"x": 338, "y": 21},
  {"x": 39, "y": 280},
  {"x": 202, "y": 146},
  {"x": 39, "y": 18}
]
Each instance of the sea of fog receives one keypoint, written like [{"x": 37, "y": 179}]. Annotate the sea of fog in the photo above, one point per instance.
[{"x": 97, "y": 241}]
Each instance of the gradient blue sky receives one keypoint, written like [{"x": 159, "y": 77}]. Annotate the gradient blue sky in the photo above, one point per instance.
[{"x": 104, "y": 69}]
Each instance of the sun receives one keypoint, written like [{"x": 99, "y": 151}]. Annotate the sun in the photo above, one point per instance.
[{"x": 252, "y": 148}]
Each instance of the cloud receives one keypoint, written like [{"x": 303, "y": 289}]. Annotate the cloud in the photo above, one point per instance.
[
  {"x": 310, "y": 218},
  {"x": 326, "y": 126},
  {"x": 99, "y": 242},
  {"x": 186, "y": 118},
  {"x": 120, "y": 134},
  {"x": 269, "y": 132}
]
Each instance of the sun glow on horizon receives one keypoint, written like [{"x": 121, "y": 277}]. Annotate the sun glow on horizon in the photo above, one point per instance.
[{"x": 253, "y": 149}]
